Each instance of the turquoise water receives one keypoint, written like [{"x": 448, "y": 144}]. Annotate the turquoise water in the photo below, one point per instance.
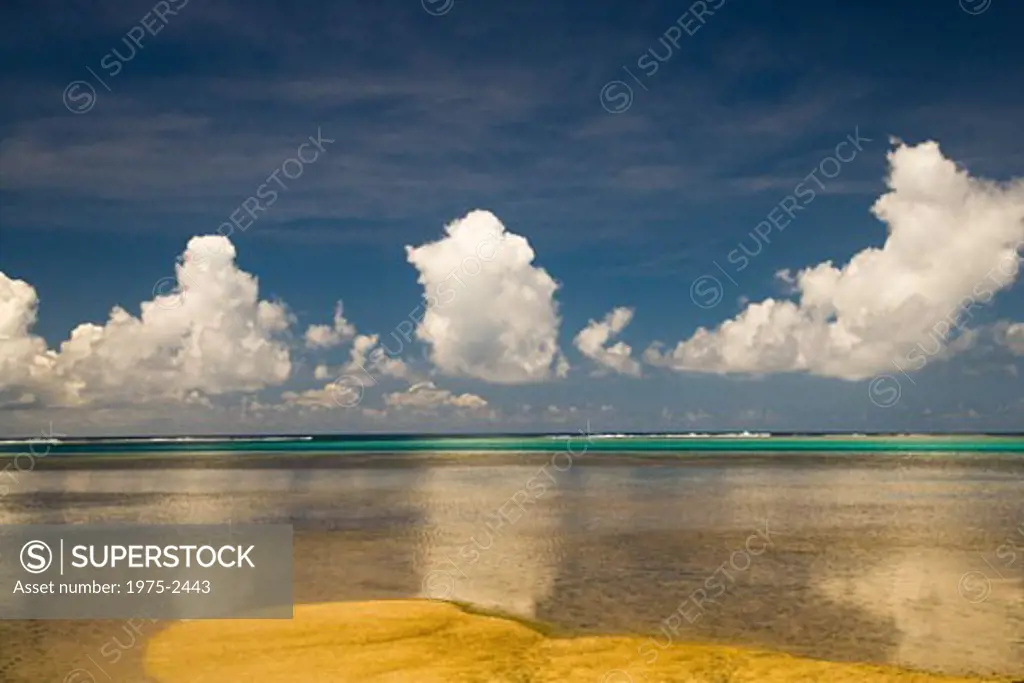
[{"x": 548, "y": 443}]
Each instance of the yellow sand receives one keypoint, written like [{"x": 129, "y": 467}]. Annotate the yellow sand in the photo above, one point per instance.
[{"x": 426, "y": 642}]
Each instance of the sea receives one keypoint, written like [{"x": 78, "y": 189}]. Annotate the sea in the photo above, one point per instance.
[{"x": 884, "y": 548}]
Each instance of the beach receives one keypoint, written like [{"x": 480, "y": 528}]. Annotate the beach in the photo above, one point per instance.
[{"x": 911, "y": 561}]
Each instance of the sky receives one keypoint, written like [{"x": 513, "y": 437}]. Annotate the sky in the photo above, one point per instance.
[{"x": 457, "y": 216}]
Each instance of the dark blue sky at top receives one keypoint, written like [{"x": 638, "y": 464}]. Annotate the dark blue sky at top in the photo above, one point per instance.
[{"x": 496, "y": 105}]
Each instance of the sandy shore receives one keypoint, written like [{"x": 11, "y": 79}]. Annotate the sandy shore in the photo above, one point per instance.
[{"x": 426, "y": 641}]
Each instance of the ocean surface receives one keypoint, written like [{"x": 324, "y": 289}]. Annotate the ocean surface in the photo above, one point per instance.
[
  {"x": 910, "y": 555},
  {"x": 575, "y": 441}
]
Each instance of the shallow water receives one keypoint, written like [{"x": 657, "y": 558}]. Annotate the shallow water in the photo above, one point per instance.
[{"x": 913, "y": 560}]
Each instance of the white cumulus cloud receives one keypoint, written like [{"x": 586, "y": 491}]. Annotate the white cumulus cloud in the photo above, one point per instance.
[
  {"x": 953, "y": 242},
  {"x": 1011, "y": 335},
  {"x": 368, "y": 363},
  {"x": 369, "y": 356},
  {"x": 592, "y": 339},
  {"x": 212, "y": 335},
  {"x": 490, "y": 313},
  {"x": 426, "y": 396},
  {"x": 25, "y": 362},
  {"x": 328, "y": 336}
]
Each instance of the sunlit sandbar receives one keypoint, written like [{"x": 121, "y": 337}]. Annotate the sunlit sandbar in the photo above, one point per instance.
[{"x": 428, "y": 641}]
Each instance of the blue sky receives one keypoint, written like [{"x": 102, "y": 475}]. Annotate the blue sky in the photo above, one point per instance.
[{"x": 437, "y": 109}]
